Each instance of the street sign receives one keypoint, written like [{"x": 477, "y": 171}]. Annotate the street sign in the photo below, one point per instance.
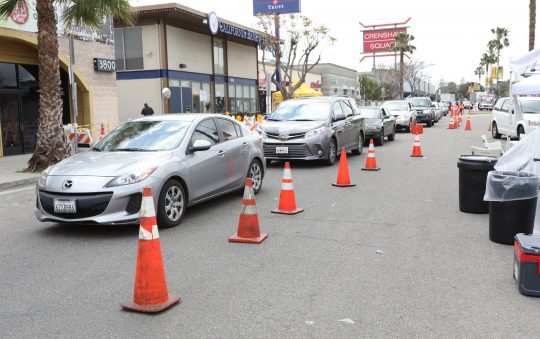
[
  {"x": 276, "y": 6},
  {"x": 380, "y": 40}
]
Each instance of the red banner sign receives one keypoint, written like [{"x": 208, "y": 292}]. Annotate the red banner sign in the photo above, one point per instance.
[{"x": 380, "y": 40}]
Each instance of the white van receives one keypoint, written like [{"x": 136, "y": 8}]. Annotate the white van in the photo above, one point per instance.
[{"x": 515, "y": 120}]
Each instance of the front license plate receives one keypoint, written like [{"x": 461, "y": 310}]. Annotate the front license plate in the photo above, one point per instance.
[
  {"x": 65, "y": 206},
  {"x": 282, "y": 150}
]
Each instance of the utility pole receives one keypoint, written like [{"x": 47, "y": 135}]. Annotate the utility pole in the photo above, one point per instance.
[
  {"x": 73, "y": 91},
  {"x": 278, "y": 50}
]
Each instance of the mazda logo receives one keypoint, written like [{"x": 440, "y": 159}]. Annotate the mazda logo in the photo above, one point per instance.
[
  {"x": 67, "y": 184},
  {"x": 283, "y": 137}
]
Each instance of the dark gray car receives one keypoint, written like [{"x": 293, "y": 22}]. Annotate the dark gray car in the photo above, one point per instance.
[
  {"x": 313, "y": 128},
  {"x": 379, "y": 124}
]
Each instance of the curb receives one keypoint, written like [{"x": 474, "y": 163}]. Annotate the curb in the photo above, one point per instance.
[{"x": 17, "y": 183}]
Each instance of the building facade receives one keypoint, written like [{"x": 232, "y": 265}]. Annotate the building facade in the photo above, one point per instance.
[
  {"x": 209, "y": 64},
  {"x": 337, "y": 80},
  {"x": 19, "y": 79}
]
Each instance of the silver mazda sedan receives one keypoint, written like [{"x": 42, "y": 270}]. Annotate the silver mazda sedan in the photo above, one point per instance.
[{"x": 185, "y": 158}]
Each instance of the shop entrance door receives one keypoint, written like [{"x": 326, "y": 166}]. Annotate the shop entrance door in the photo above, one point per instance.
[{"x": 10, "y": 124}]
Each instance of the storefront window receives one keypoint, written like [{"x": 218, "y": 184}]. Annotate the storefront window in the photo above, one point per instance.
[
  {"x": 28, "y": 82},
  {"x": 196, "y": 92},
  {"x": 232, "y": 98},
  {"x": 219, "y": 57},
  {"x": 247, "y": 109},
  {"x": 242, "y": 98},
  {"x": 8, "y": 76},
  {"x": 128, "y": 48},
  {"x": 220, "y": 98},
  {"x": 205, "y": 98},
  {"x": 252, "y": 99}
]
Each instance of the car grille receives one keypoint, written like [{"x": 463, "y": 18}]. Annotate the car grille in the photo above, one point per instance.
[
  {"x": 289, "y": 136},
  {"x": 295, "y": 151},
  {"x": 88, "y": 204},
  {"x": 134, "y": 204}
]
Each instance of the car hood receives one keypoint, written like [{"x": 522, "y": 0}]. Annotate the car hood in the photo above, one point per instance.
[
  {"x": 421, "y": 108},
  {"x": 373, "y": 122},
  {"x": 398, "y": 112},
  {"x": 290, "y": 127},
  {"x": 107, "y": 164}
]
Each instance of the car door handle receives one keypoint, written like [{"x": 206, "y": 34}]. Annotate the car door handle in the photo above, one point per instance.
[{"x": 222, "y": 153}]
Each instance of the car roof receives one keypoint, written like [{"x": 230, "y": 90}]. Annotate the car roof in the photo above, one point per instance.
[
  {"x": 318, "y": 98},
  {"x": 188, "y": 117},
  {"x": 395, "y": 101}
]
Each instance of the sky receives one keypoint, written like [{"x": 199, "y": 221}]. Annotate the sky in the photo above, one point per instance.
[{"x": 450, "y": 36}]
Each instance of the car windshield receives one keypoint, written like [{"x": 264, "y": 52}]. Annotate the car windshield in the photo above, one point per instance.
[
  {"x": 370, "y": 113},
  {"x": 301, "y": 110},
  {"x": 396, "y": 106},
  {"x": 419, "y": 102},
  {"x": 144, "y": 136},
  {"x": 530, "y": 106}
]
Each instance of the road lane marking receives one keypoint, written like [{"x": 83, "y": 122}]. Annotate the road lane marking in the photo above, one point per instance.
[{"x": 15, "y": 190}]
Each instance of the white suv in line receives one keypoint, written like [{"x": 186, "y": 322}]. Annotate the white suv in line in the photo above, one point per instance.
[{"x": 514, "y": 120}]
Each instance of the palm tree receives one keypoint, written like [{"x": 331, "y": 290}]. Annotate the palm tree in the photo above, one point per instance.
[
  {"x": 499, "y": 42},
  {"x": 479, "y": 71},
  {"x": 402, "y": 46},
  {"x": 532, "y": 23},
  {"x": 487, "y": 59},
  {"x": 50, "y": 146}
]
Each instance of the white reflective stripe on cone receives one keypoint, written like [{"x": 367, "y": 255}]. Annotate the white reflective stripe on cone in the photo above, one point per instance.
[
  {"x": 249, "y": 209},
  {"x": 287, "y": 173},
  {"x": 147, "y": 207},
  {"x": 247, "y": 193},
  {"x": 146, "y": 235},
  {"x": 287, "y": 186},
  {"x": 371, "y": 155}
]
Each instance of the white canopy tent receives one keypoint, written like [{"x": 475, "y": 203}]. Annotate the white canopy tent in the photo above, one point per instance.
[
  {"x": 526, "y": 64},
  {"x": 527, "y": 86}
]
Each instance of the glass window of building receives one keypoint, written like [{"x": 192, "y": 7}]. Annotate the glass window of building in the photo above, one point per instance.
[
  {"x": 128, "y": 48},
  {"x": 247, "y": 108},
  {"x": 205, "y": 97},
  {"x": 253, "y": 99},
  {"x": 220, "y": 98},
  {"x": 8, "y": 75},
  {"x": 196, "y": 93},
  {"x": 219, "y": 57},
  {"x": 232, "y": 99}
]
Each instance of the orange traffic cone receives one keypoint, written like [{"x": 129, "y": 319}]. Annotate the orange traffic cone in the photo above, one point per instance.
[
  {"x": 248, "y": 226},
  {"x": 343, "y": 178},
  {"x": 468, "y": 125},
  {"x": 417, "y": 149},
  {"x": 287, "y": 201},
  {"x": 451, "y": 123},
  {"x": 102, "y": 133},
  {"x": 150, "y": 295},
  {"x": 371, "y": 161}
]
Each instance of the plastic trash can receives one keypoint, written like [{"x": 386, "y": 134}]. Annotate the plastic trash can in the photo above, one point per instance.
[
  {"x": 512, "y": 200},
  {"x": 473, "y": 171}
]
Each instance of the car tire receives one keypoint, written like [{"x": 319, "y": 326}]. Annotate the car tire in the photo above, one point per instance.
[
  {"x": 392, "y": 136},
  {"x": 360, "y": 146},
  {"x": 520, "y": 132},
  {"x": 256, "y": 173},
  {"x": 171, "y": 204},
  {"x": 408, "y": 128},
  {"x": 332, "y": 152},
  {"x": 429, "y": 123},
  {"x": 495, "y": 131},
  {"x": 380, "y": 140}
]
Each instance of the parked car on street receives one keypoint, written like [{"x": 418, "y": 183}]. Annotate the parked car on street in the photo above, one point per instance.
[
  {"x": 312, "y": 128},
  {"x": 445, "y": 107},
  {"x": 425, "y": 112},
  {"x": 379, "y": 124},
  {"x": 515, "y": 120},
  {"x": 467, "y": 104},
  {"x": 185, "y": 158},
  {"x": 403, "y": 111},
  {"x": 438, "y": 111}
]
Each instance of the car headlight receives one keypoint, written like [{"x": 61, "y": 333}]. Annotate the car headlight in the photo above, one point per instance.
[
  {"x": 131, "y": 177},
  {"x": 534, "y": 123},
  {"x": 43, "y": 177},
  {"x": 262, "y": 133},
  {"x": 316, "y": 131}
]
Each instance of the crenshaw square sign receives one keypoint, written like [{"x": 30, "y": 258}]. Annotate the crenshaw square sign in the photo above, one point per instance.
[
  {"x": 276, "y": 6},
  {"x": 380, "y": 40}
]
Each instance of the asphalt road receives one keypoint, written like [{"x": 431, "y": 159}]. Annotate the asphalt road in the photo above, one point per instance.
[{"x": 318, "y": 275}]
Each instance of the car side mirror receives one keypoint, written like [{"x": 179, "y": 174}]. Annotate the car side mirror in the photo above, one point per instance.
[
  {"x": 200, "y": 145},
  {"x": 339, "y": 117}
]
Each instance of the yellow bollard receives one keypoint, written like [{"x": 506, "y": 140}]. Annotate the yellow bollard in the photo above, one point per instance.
[
  {"x": 238, "y": 118},
  {"x": 259, "y": 118},
  {"x": 228, "y": 114}
]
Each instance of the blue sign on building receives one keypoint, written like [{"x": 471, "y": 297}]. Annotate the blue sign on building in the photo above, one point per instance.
[{"x": 276, "y": 6}]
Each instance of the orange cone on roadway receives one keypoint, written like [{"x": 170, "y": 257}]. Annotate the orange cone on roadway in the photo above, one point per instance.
[
  {"x": 468, "y": 124},
  {"x": 417, "y": 149},
  {"x": 287, "y": 200},
  {"x": 343, "y": 178},
  {"x": 150, "y": 294},
  {"x": 371, "y": 161},
  {"x": 248, "y": 226}
]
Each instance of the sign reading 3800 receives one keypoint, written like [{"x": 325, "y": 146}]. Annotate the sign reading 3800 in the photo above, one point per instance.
[{"x": 104, "y": 65}]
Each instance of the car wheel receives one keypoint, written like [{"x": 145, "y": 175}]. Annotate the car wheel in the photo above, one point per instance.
[
  {"x": 172, "y": 204},
  {"x": 520, "y": 132},
  {"x": 408, "y": 128},
  {"x": 380, "y": 140},
  {"x": 392, "y": 136},
  {"x": 332, "y": 152},
  {"x": 360, "y": 145},
  {"x": 429, "y": 123},
  {"x": 255, "y": 172},
  {"x": 495, "y": 131}
]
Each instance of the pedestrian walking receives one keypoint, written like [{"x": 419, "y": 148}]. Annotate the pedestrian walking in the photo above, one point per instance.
[{"x": 147, "y": 110}]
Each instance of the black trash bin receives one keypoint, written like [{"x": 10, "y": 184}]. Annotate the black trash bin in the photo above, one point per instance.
[
  {"x": 473, "y": 171},
  {"x": 512, "y": 200}
]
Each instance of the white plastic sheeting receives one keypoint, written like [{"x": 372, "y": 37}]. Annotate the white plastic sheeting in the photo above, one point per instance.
[{"x": 527, "y": 86}]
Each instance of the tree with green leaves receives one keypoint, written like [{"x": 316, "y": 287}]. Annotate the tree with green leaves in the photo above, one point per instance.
[
  {"x": 499, "y": 42},
  {"x": 369, "y": 88},
  {"x": 479, "y": 71},
  {"x": 50, "y": 146},
  {"x": 402, "y": 45}
]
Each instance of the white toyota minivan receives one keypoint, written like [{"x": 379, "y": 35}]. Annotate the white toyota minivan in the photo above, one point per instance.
[{"x": 515, "y": 120}]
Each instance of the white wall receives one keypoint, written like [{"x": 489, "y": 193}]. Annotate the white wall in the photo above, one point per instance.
[
  {"x": 132, "y": 94},
  {"x": 150, "y": 43},
  {"x": 189, "y": 48},
  {"x": 242, "y": 60}
]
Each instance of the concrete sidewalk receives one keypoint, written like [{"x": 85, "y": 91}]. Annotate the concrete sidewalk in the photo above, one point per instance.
[{"x": 11, "y": 174}]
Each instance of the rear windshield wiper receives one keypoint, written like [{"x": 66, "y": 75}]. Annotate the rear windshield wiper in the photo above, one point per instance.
[{"x": 133, "y": 149}]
